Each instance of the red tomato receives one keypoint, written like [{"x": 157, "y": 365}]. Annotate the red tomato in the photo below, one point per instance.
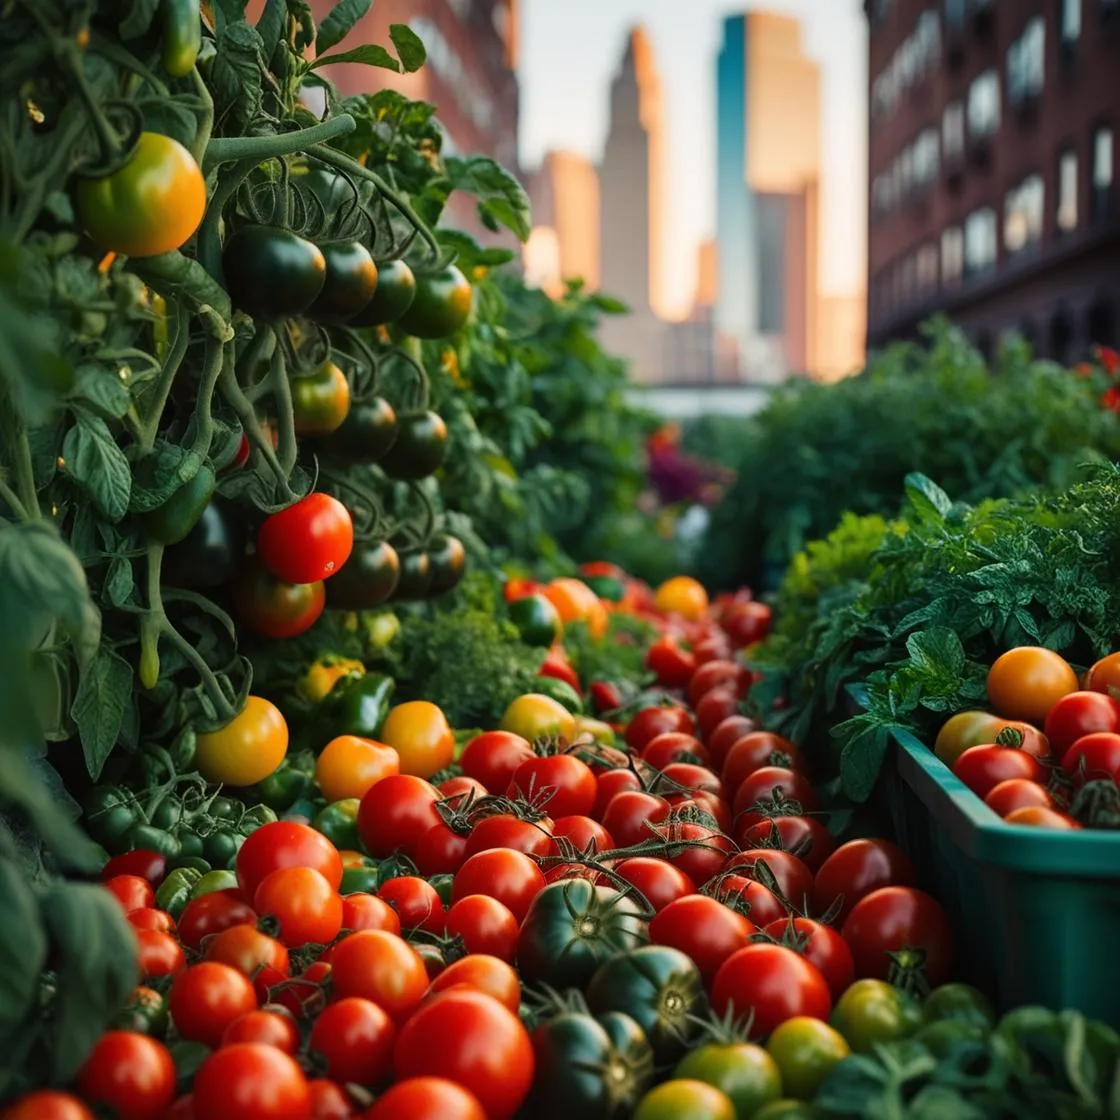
[
  {"x": 1093, "y": 756},
  {"x": 674, "y": 746},
  {"x": 416, "y": 901},
  {"x": 703, "y": 801},
  {"x": 820, "y": 945},
  {"x": 395, "y": 813},
  {"x": 367, "y": 911},
  {"x": 1041, "y": 817},
  {"x": 714, "y": 708},
  {"x": 306, "y": 906},
  {"x": 206, "y": 998},
  {"x": 754, "y": 751},
  {"x": 286, "y": 844},
  {"x": 1080, "y": 713},
  {"x": 582, "y": 833},
  {"x": 747, "y": 623},
  {"x": 355, "y": 1037},
  {"x": 983, "y": 768},
  {"x": 610, "y": 782},
  {"x": 718, "y": 674},
  {"x": 658, "y": 882},
  {"x": 426, "y": 1098},
  {"x": 308, "y": 541},
  {"x": 1030, "y": 740},
  {"x": 557, "y": 665},
  {"x": 132, "y": 892},
  {"x": 856, "y": 869},
  {"x": 669, "y": 663},
  {"x": 47, "y": 1104},
  {"x": 651, "y": 722},
  {"x": 504, "y": 830},
  {"x": 493, "y": 757},
  {"x": 485, "y": 925},
  {"x": 471, "y": 1039},
  {"x": 510, "y": 877},
  {"x": 328, "y": 1100},
  {"x": 439, "y": 851},
  {"x": 605, "y": 697},
  {"x": 160, "y": 954},
  {"x": 302, "y": 1000},
  {"x": 211, "y": 913},
  {"x": 379, "y": 966},
  {"x": 629, "y": 813},
  {"x": 716, "y": 648},
  {"x": 139, "y": 862},
  {"x": 1017, "y": 793},
  {"x": 130, "y": 1074},
  {"x": 772, "y": 983},
  {"x": 726, "y": 734},
  {"x": 703, "y": 929},
  {"x": 269, "y": 1027},
  {"x": 560, "y": 784},
  {"x": 152, "y": 919},
  {"x": 253, "y": 1082},
  {"x": 893, "y": 919},
  {"x": 483, "y": 973},
  {"x": 247, "y": 949},
  {"x": 806, "y": 837},
  {"x": 1104, "y": 674},
  {"x": 794, "y": 880},
  {"x": 773, "y": 788},
  {"x": 693, "y": 777},
  {"x": 749, "y": 897},
  {"x": 698, "y": 862}
]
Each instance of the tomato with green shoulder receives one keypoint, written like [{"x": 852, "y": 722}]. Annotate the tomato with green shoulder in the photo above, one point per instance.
[
  {"x": 441, "y": 305},
  {"x": 447, "y": 559},
  {"x": 320, "y": 400},
  {"x": 367, "y": 580},
  {"x": 420, "y": 447},
  {"x": 415, "y": 575},
  {"x": 275, "y": 609},
  {"x": 393, "y": 296},
  {"x": 537, "y": 620},
  {"x": 349, "y": 285},
  {"x": 173, "y": 521},
  {"x": 272, "y": 273}
]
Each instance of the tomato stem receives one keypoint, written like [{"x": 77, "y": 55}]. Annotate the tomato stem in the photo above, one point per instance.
[
  {"x": 15, "y": 438},
  {"x": 206, "y": 118},
  {"x": 288, "y": 448},
  {"x": 149, "y": 426},
  {"x": 255, "y": 149}
]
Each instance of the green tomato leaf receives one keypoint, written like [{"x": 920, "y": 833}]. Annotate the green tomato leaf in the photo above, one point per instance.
[
  {"x": 141, "y": 13},
  {"x": 101, "y": 389},
  {"x": 95, "y": 952},
  {"x": 926, "y": 498},
  {"x": 99, "y": 706},
  {"x": 236, "y": 77},
  {"x": 270, "y": 27},
  {"x": 368, "y": 55},
  {"x": 119, "y": 583},
  {"x": 23, "y": 951},
  {"x": 339, "y": 23},
  {"x": 501, "y": 197},
  {"x": 409, "y": 47},
  {"x": 98, "y": 465},
  {"x": 862, "y": 757}
]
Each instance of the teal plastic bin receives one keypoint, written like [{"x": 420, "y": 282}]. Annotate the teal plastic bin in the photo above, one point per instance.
[{"x": 1036, "y": 912}]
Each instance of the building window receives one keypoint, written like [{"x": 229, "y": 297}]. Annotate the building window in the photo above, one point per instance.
[
  {"x": 1103, "y": 173},
  {"x": 909, "y": 277},
  {"x": 1023, "y": 214},
  {"x": 1026, "y": 62},
  {"x": 927, "y": 269},
  {"x": 952, "y": 129},
  {"x": 981, "y": 240},
  {"x": 983, "y": 104},
  {"x": 952, "y": 255},
  {"x": 926, "y": 157},
  {"x": 1071, "y": 20},
  {"x": 955, "y": 11},
  {"x": 1067, "y": 192}
]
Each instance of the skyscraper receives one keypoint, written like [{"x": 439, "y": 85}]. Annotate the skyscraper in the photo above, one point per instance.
[
  {"x": 564, "y": 192},
  {"x": 767, "y": 196},
  {"x": 632, "y": 219}
]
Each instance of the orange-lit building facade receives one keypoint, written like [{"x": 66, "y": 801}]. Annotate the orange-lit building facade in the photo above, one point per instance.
[{"x": 564, "y": 192}]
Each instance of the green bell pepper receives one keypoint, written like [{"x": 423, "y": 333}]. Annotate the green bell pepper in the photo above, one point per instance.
[
  {"x": 357, "y": 707},
  {"x": 175, "y": 891}
]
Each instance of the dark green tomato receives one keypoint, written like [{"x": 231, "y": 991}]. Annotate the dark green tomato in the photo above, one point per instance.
[
  {"x": 166, "y": 814},
  {"x": 447, "y": 558},
  {"x": 272, "y": 273},
  {"x": 226, "y": 809},
  {"x": 359, "y": 706},
  {"x": 282, "y": 788},
  {"x": 571, "y": 928},
  {"x": 946, "y": 1037},
  {"x": 143, "y": 1015},
  {"x": 320, "y": 401},
  {"x": 338, "y": 822},
  {"x": 537, "y": 620},
  {"x": 396, "y": 289},
  {"x": 173, "y": 521},
  {"x": 366, "y": 580},
  {"x": 660, "y": 989},
  {"x": 561, "y": 691},
  {"x": 742, "y": 1070},
  {"x": 960, "y": 1002},
  {"x": 359, "y": 880},
  {"x": 109, "y": 814},
  {"x": 442, "y": 304},
  {"x": 606, "y": 587},
  {"x": 580, "y": 1072},
  {"x": 182, "y": 35},
  {"x": 190, "y": 846},
  {"x": 873, "y": 1011},
  {"x": 443, "y": 885},
  {"x": 212, "y": 881},
  {"x": 152, "y": 839},
  {"x": 350, "y": 283},
  {"x": 419, "y": 449},
  {"x": 416, "y": 576},
  {"x": 175, "y": 891},
  {"x": 256, "y": 816},
  {"x": 211, "y": 552},
  {"x": 221, "y": 847},
  {"x": 365, "y": 436},
  {"x": 304, "y": 810}
]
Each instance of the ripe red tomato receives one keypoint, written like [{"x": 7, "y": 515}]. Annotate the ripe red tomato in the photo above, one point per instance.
[
  {"x": 627, "y": 814},
  {"x": 747, "y": 623},
  {"x": 329, "y": 1101},
  {"x": 308, "y": 541},
  {"x": 658, "y": 882},
  {"x": 674, "y": 746},
  {"x": 395, "y": 813},
  {"x": 272, "y": 1028},
  {"x": 693, "y": 778},
  {"x": 718, "y": 674},
  {"x": 1093, "y": 756},
  {"x": 504, "y": 830},
  {"x": 747, "y": 896},
  {"x": 582, "y": 833},
  {"x": 152, "y": 920},
  {"x": 47, "y": 1104},
  {"x": 307, "y": 907},
  {"x": 1041, "y": 817},
  {"x": 416, "y": 901},
  {"x": 1104, "y": 675},
  {"x": 806, "y": 837},
  {"x": 669, "y": 663},
  {"x": 468, "y": 1037},
  {"x": 439, "y": 851},
  {"x": 206, "y": 998},
  {"x": 457, "y": 789},
  {"x": 211, "y": 913},
  {"x": 820, "y": 945},
  {"x": 793, "y": 878},
  {"x": 1017, "y": 793},
  {"x": 355, "y": 1037},
  {"x": 983, "y": 768},
  {"x": 145, "y": 864},
  {"x": 774, "y": 984},
  {"x": 130, "y": 1074},
  {"x": 703, "y": 929},
  {"x": 610, "y": 782},
  {"x": 510, "y": 877},
  {"x": 483, "y": 973},
  {"x": 252, "y": 1082},
  {"x": 367, "y": 911},
  {"x": 247, "y": 949},
  {"x": 714, "y": 707},
  {"x": 856, "y": 869},
  {"x": 426, "y": 1098},
  {"x": 1078, "y": 714},
  {"x": 1030, "y": 741},
  {"x": 159, "y": 954},
  {"x": 382, "y": 967},
  {"x": 699, "y": 863},
  {"x": 286, "y": 844},
  {"x": 651, "y": 722},
  {"x": 893, "y": 919},
  {"x": 760, "y": 794},
  {"x": 485, "y": 925},
  {"x": 726, "y": 734},
  {"x": 754, "y": 751},
  {"x": 493, "y": 757},
  {"x": 560, "y": 784},
  {"x": 132, "y": 892}
]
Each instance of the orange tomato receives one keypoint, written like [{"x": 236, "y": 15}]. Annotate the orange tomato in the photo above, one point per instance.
[
  {"x": 1025, "y": 683},
  {"x": 576, "y": 602},
  {"x": 420, "y": 734},
  {"x": 350, "y": 765},
  {"x": 684, "y": 596}
]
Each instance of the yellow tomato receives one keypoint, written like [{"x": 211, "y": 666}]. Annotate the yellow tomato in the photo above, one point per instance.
[
  {"x": 597, "y": 729},
  {"x": 323, "y": 675},
  {"x": 535, "y": 716},
  {"x": 249, "y": 748},
  {"x": 349, "y": 765},
  {"x": 964, "y": 730},
  {"x": 575, "y": 601},
  {"x": 419, "y": 732},
  {"x": 684, "y": 596},
  {"x": 1025, "y": 683}
]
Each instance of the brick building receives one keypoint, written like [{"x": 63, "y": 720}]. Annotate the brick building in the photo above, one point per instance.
[{"x": 992, "y": 150}]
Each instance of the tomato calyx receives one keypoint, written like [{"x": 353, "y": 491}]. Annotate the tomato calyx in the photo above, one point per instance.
[
  {"x": 1010, "y": 737},
  {"x": 908, "y": 971},
  {"x": 727, "y": 1029},
  {"x": 774, "y": 805},
  {"x": 1097, "y": 804}
]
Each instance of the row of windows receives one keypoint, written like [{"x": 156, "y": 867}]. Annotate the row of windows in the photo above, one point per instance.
[
  {"x": 972, "y": 248},
  {"x": 917, "y": 56},
  {"x": 445, "y": 61}
]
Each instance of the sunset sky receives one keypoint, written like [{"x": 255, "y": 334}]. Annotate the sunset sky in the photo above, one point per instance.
[{"x": 569, "y": 52}]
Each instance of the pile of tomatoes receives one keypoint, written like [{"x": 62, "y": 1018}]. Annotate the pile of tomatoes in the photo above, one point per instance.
[
  {"x": 659, "y": 926},
  {"x": 1051, "y": 757}
]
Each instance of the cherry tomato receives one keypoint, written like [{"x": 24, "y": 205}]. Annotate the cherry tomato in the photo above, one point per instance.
[
  {"x": 286, "y": 844},
  {"x": 684, "y": 596},
  {"x": 321, "y": 399},
  {"x": 714, "y": 707},
  {"x": 381, "y": 967},
  {"x": 872, "y": 1012},
  {"x": 396, "y": 812},
  {"x": 349, "y": 766},
  {"x": 699, "y": 862},
  {"x": 896, "y": 919},
  {"x": 747, "y": 896},
  {"x": 47, "y": 1104},
  {"x": 671, "y": 665},
  {"x": 611, "y": 782},
  {"x": 152, "y": 920},
  {"x": 747, "y": 623},
  {"x": 820, "y": 945},
  {"x": 144, "y": 864},
  {"x": 131, "y": 1074},
  {"x": 510, "y": 877},
  {"x": 504, "y": 830},
  {"x": 628, "y": 815},
  {"x": 726, "y": 734},
  {"x": 856, "y": 869},
  {"x": 1093, "y": 756},
  {"x": 132, "y": 892},
  {"x": 774, "y": 984},
  {"x": 754, "y": 751},
  {"x": 693, "y": 778},
  {"x": 1078, "y": 714},
  {"x": 253, "y": 1082},
  {"x": 658, "y": 882},
  {"x": 307, "y": 542},
  {"x": 268, "y": 1027},
  {"x": 1026, "y": 738},
  {"x": 307, "y": 907},
  {"x": 718, "y": 674},
  {"x": 793, "y": 878},
  {"x": 275, "y": 609},
  {"x": 492, "y": 758},
  {"x": 536, "y": 717},
  {"x": 159, "y": 954},
  {"x": 420, "y": 734},
  {"x": 703, "y": 929},
  {"x": 651, "y": 722},
  {"x": 560, "y": 783},
  {"x": 671, "y": 747},
  {"x": 964, "y": 730},
  {"x": 426, "y": 1098},
  {"x": 247, "y": 949},
  {"x": 416, "y": 901},
  {"x": 1017, "y": 793},
  {"x": 806, "y": 1051},
  {"x": 367, "y": 911},
  {"x": 1025, "y": 683},
  {"x": 248, "y": 749},
  {"x": 211, "y": 913},
  {"x": 328, "y": 1100},
  {"x": 485, "y": 925},
  {"x": 685, "y": 1099},
  {"x": 773, "y": 786},
  {"x": 1041, "y": 817},
  {"x": 1104, "y": 675},
  {"x": 355, "y": 1037},
  {"x": 457, "y": 789},
  {"x": 805, "y": 837},
  {"x": 983, "y": 768},
  {"x": 484, "y": 974},
  {"x": 582, "y": 833}
]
